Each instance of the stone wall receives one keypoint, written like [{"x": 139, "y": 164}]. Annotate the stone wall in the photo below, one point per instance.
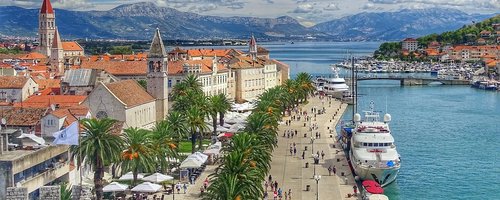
[
  {"x": 50, "y": 193},
  {"x": 17, "y": 193},
  {"x": 81, "y": 193}
]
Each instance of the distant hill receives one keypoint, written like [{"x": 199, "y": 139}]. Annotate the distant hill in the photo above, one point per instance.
[
  {"x": 397, "y": 25},
  {"x": 136, "y": 21},
  {"x": 464, "y": 35}
]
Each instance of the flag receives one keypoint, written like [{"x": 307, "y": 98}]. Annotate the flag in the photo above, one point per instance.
[{"x": 68, "y": 136}]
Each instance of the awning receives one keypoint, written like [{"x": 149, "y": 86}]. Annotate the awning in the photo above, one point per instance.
[
  {"x": 130, "y": 176},
  {"x": 146, "y": 187},
  {"x": 115, "y": 187},
  {"x": 157, "y": 178}
]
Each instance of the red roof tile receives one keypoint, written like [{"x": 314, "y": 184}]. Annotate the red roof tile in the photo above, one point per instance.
[
  {"x": 44, "y": 101},
  {"x": 46, "y": 7},
  {"x": 129, "y": 92},
  {"x": 12, "y": 82},
  {"x": 71, "y": 46}
]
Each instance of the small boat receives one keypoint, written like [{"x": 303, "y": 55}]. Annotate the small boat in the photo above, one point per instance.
[{"x": 371, "y": 188}]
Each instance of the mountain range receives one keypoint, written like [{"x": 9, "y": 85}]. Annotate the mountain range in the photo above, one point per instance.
[{"x": 136, "y": 21}]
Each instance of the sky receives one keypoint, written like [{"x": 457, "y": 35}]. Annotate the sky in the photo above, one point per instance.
[{"x": 306, "y": 11}]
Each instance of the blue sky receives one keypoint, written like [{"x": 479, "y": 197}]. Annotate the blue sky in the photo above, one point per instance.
[{"x": 306, "y": 11}]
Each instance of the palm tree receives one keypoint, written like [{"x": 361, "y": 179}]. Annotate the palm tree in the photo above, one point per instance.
[
  {"x": 65, "y": 191},
  {"x": 139, "y": 153},
  {"x": 305, "y": 84},
  {"x": 218, "y": 104},
  {"x": 195, "y": 123},
  {"x": 164, "y": 143},
  {"x": 192, "y": 82},
  {"x": 176, "y": 125},
  {"x": 97, "y": 148},
  {"x": 223, "y": 105}
]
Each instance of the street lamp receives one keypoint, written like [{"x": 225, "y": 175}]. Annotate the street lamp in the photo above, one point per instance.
[{"x": 317, "y": 178}]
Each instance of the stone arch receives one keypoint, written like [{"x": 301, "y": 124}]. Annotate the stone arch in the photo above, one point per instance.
[
  {"x": 159, "y": 66},
  {"x": 151, "y": 66}
]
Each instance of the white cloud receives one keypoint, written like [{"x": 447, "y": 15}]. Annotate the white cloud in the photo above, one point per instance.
[
  {"x": 331, "y": 7},
  {"x": 304, "y": 8}
]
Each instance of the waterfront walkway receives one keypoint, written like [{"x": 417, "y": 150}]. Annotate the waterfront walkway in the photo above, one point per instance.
[{"x": 290, "y": 171}]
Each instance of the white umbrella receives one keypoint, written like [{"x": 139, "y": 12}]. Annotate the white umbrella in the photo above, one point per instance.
[
  {"x": 212, "y": 151},
  {"x": 130, "y": 176},
  {"x": 146, "y": 187},
  {"x": 222, "y": 129},
  {"x": 201, "y": 155},
  {"x": 157, "y": 178},
  {"x": 191, "y": 163},
  {"x": 115, "y": 187}
]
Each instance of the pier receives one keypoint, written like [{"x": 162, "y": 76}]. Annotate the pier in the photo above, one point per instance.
[
  {"x": 414, "y": 81},
  {"x": 291, "y": 171}
]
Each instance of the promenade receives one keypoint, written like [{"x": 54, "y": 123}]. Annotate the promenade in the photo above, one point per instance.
[{"x": 290, "y": 171}]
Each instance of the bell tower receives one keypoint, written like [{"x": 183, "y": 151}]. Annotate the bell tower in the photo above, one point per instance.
[
  {"x": 157, "y": 79},
  {"x": 57, "y": 54},
  {"x": 46, "y": 28},
  {"x": 252, "y": 48}
]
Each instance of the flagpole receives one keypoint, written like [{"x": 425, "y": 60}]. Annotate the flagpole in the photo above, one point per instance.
[{"x": 80, "y": 161}]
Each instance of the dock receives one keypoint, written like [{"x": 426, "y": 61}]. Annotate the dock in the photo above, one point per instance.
[{"x": 290, "y": 170}]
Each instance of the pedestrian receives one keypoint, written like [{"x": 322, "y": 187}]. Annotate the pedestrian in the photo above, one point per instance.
[
  {"x": 185, "y": 187},
  {"x": 202, "y": 190},
  {"x": 296, "y": 131},
  {"x": 192, "y": 180},
  {"x": 270, "y": 179},
  {"x": 205, "y": 183},
  {"x": 178, "y": 186},
  {"x": 334, "y": 170},
  {"x": 266, "y": 184},
  {"x": 294, "y": 151},
  {"x": 303, "y": 155},
  {"x": 275, "y": 195},
  {"x": 291, "y": 151},
  {"x": 265, "y": 195},
  {"x": 290, "y": 194},
  {"x": 275, "y": 184},
  {"x": 286, "y": 195},
  {"x": 355, "y": 190},
  {"x": 280, "y": 193},
  {"x": 330, "y": 170},
  {"x": 322, "y": 155}
]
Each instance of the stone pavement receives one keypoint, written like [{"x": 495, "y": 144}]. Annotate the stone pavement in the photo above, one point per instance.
[{"x": 290, "y": 171}]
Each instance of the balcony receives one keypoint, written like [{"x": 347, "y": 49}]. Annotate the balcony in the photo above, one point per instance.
[{"x": 36, "y": 181}]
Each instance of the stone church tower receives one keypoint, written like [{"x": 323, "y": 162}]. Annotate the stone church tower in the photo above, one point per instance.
[
  {"x": 46, "y": 28},
  {"x": 157, "y": 79},
  {"x": 57, "y": 54},
  {"x": 252, "y": 48}
]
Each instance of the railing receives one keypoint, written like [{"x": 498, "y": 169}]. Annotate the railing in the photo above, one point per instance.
[{"x": 40, "y": 179}]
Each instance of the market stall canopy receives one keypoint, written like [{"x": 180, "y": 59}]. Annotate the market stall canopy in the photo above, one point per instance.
[
  {"x": 157, "y": 178},
  {"x": 130, "y": 176},
  {"x": 146, "y": 187},
  {"x": 191, "y": 163},
  {"x": 115, "y": 187},
  {"x": 227, "y": 135}
]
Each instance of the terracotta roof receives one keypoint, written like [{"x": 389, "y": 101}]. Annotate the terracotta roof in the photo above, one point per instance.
[
  {"x": 50, "y": 91},
  {"x": 48, "y": 83},
  {"x": 71, "y": 46},
  {"x": 485, "y": 32},
  {"x": 38, "y": 68},
  {"x": 262, "y": 50},
  {"x": 46, "y": 7},
  {"x": 176, "y": 67},
  {"x": 24, "y": 116},
  {"x": 208, "y": 52},
  {"x": 44, "y": 101},
  {"x": 13, "y": 82},
  {"x": 409, "y": 40},
  {"x": 240, "y": 62},
  {"x": 177, "y": 50},
  {"x": 32, "y": 56},
  {"x": 129, "y": 92},
  {"x": 71, "y": 114},
  {"x": 118, "y": 67}
]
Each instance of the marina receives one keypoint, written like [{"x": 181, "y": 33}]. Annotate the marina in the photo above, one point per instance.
[{"x": 435, "y": 127}]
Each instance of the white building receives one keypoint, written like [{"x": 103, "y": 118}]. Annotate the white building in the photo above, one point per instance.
[
  {"x": 409, "y": 44},
  {"x": 127, "y": 101},
  {"x": 212, "y": 75},
  {"x": 16, "y": 88}
]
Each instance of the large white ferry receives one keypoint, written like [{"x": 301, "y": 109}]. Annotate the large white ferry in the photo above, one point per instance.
[{"x": 373, "y": 153}]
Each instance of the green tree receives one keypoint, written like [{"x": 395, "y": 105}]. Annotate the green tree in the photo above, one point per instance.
[
  {"x": 65, "y": 191},
  {"x": 98, "y": 148},
  {"x": 123, "y": 50},
  {"x": 139, "y": 154},
  {"x": 196, "y": 125},
  {"x": 143, "y": 83},
  {"x": 164, "y": 143}
]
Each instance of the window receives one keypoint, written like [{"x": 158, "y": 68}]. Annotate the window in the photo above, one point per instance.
[
  {"x": 370, "y": 144},
  {"x": 169, "y": 83},
  {"x": 375, "y": 144}
]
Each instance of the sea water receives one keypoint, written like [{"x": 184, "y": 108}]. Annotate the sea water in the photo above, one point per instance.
[{"x": 448, "y": 136}]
